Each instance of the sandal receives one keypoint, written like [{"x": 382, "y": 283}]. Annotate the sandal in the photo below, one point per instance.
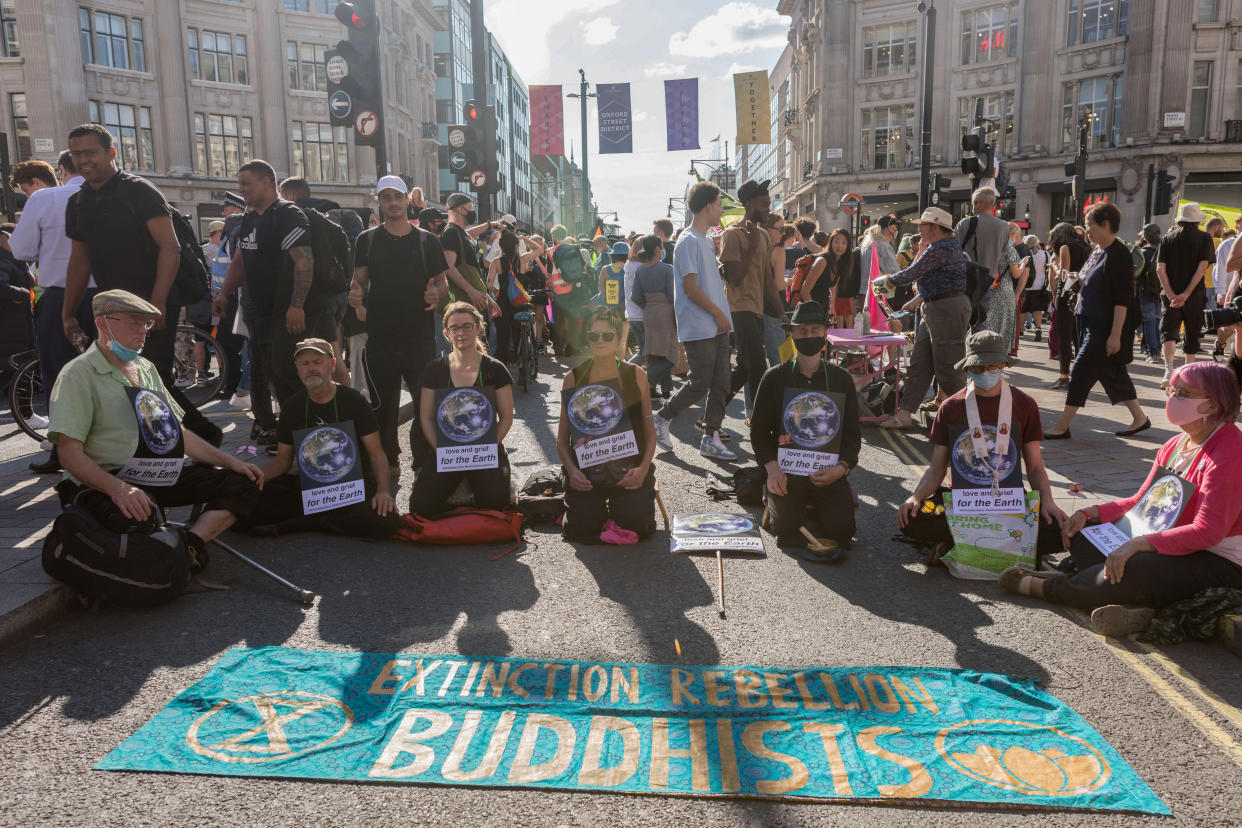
[{"x": 931, "y": 405}]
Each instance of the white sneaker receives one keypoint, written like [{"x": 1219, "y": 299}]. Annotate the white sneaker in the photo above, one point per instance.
[
  {"x": 713, "y": 447},
  {"x": 36, "y": 421},
  {"x": 1168, "y": 375},
  {"x": 241, "y": 402},
  {"x": 663, "y": 438}
]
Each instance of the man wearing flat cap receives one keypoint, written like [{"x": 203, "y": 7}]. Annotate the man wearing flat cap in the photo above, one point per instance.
[
  {"x": 119, "y": 436},
  {"x": 330, "y": 472}
]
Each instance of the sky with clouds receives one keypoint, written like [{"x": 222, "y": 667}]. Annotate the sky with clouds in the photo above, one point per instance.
[{"x": 642, "y": 42}]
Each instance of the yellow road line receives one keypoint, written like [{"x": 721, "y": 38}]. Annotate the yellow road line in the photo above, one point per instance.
[
  {"x": 1224, "y": 708},
  {"x": 897, "y": 449},
  {"x": 911, "y": 448}
]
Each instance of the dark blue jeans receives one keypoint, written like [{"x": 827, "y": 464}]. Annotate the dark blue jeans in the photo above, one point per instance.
[
  {"x": 54, "y": 349},
  {"x": 1149, "y": 310}
]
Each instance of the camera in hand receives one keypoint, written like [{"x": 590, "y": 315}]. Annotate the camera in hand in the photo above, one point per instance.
[{"x": 1224, "y": 317}]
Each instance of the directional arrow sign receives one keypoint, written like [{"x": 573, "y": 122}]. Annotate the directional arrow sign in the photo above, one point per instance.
[
  {"x": 366, "y": 123},
  {"x": 478, "y": 179},
  {"x": 340, "y": 104},
  {"x": 457, "y": 161}
]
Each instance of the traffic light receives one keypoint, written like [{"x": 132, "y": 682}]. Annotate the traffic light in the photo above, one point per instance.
[
  {"x": 471, "y": 151},
  {"x": 1164, "y": 194},
  {"x": 1077, "y": 172},
  {"x": 355, "y": 97},
  {"x": 976, "y": 153},
  {"x": 939, "y": 183}
]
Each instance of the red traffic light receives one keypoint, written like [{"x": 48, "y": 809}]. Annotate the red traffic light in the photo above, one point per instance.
[
  {"x": 471, "y": 111},
  {"x": 347, "y": 14}
]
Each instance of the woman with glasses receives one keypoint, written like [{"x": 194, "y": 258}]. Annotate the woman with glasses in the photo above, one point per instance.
[
  {"x": 606, "y": 440},
  {"x": 1180, "y": 533},
  {"x": 1105, "y": 334},
  {"x": 467, "y": 365}
]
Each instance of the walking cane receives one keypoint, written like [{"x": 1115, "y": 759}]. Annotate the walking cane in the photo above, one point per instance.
[
  {"x": 720, "y": 583},
  {"x": 306, "y": 596}
]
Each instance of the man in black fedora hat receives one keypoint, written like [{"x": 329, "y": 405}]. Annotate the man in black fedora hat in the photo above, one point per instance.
[{"x": 805, "y": 434}]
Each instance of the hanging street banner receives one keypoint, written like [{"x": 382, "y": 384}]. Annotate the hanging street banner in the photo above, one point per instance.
[
  {"x": 547, "y": 121},
  {"x": 616, "y": 124},
  {"x": 910, "y": 735},
  {"x": 754, "y": 122},
  {"x": 681, "y": 113}
]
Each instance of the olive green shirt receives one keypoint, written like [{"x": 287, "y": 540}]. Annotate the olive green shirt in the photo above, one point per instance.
[{"x": 89, "y": 404}]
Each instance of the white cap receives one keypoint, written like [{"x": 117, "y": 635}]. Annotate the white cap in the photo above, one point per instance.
[
  {"x": 509, "y": 218},
  {"x": 390, "y": 182}
]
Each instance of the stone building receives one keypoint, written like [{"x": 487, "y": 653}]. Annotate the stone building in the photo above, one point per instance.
[{"x": 1159, "y": 82}]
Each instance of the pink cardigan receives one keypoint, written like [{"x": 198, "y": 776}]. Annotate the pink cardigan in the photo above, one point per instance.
[{"x": 1214, "y": 511}]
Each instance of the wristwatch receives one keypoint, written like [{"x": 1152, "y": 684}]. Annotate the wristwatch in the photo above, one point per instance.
[{"x": 847, "y": 466}]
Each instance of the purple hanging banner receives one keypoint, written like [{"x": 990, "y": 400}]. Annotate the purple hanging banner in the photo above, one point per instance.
[
  {"x": 616, "y": 124},
  {"x": 681, "y": 113}
]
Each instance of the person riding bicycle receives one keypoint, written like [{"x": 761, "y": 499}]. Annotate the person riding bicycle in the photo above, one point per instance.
[{"x": 509, "y": 289}]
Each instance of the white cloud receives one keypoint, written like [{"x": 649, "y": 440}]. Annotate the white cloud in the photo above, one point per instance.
[
  {"x": 599, "y": 32},
  {"x": 664, "y": 69},
  {"x": 735, "y": 68},
  {"x": 529, "y": 46},
  {"x": 735, "y": 28}
]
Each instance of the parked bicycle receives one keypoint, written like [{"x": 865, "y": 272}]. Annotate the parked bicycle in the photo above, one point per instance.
[{"x": 526, "y": 350}]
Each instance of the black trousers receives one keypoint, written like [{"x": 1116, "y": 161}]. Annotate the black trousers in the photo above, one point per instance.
[
  {"x": 217, "y": 489},
  {"x": 433, "y": 488},
  {"x": 1189, "y": 315},
  {"x": 390, "y": 360},
  {"x": 1150, "y": 579},
  {"x": 587, "y": 512},
  {"x": 751, "y": 359},
  {"x": 1067, "y": 331},
  {"x": 833, "y": 507},
  {"x": 159, "y": 350},
  {"x": 280, "y": 506},
  {"x": 1092, "y": 364},
  {"x": 232, "y": 344}
]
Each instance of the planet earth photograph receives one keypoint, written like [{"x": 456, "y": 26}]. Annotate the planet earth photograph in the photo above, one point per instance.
[
  {"x": 595, "y": 410},
  {"x": 465, "y": 415},
  {"x": 327, "y": 454},
  {"x": 811, "y": 419},
  {"x": 972, "y": 467},
  {"x": 713, "y": 524},
  {"x": 159, "y": 427}
]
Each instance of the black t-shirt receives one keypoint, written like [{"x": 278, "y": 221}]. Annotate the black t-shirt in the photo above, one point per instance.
[
  {"x": 1107, "y": 281},
  {"x": 398, "y": 270},
  {"x": 112, "y": 223},
  {"x": 266, "y": 239},
  {"x": 1181, "y": 251},
  {"x": 299, "y": 412},
  {"x": 457, "y": 240},
  {"x": 492, "y": 373},
  {"x": 669, "y": 247}
]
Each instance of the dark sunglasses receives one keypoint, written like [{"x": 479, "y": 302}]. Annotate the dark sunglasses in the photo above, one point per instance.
[{"x": 607, "y": 336}]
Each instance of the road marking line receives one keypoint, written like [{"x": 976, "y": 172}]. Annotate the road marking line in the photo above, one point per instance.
[
  {"x": 897, "y": 449},
  {"x": 911, "y": 448},
  {"x": 1224, "y": 708}
]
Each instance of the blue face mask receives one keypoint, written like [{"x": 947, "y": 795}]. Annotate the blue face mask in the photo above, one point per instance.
[
  {"x": 987, "y": 379},
  {"x": 123, "y": 353}
]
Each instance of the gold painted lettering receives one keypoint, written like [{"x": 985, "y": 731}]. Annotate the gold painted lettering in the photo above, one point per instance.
[
  {"x": 828, "y": 733},
  {"x": 491, "y": 679},
  {"x": 713, "y": 688},
  {"x": 474, "y": 671},
  {"x": 552, "y": 668},
  {"x": 491, "y": 759},
  {"x": 858, "y": 692},
  {"x": 920, "y": 780},
  {"x": 522, "y": 770},
  {"x": 808, "y": 701},
  {"x": 513, "y": 680},
  {"x": 573, "y": 681},
  {"x": 889, "y": 704},
  {"x": 419, "y": 675},
  {"x": 678, "y": 679},
  {"x": 592, "y": 772},
  {"x": 752, "y": 738},
  {"x": 454, "y": 666},
  {"x": 631, "y": 685},
  {"x": 909, "y": 695},
  {"x": 661, "y": 753},
  {"x": 405, "y": 740},
  {"x": 749, "y": 689},
  {"x": 729, "y": 778},
  {"x": 595, "y": 682},
  {"x": 386, "y": 675},
  {"x": 830, "y": 687},
  {"x": 778, "y": 693}
]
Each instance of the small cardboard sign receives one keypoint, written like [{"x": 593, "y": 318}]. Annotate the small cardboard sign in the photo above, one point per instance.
[
  {"x": 709, "y": 532},
  {"x": 1157, "y": 510},
  {"x": 810, "y": 431},
  {"x": 160, "y": 454},
  {"x": 329, "y": 467},
  {"x": 599, "y": 424},
  {"x": 466, "y": 429},
  {"x": 972, "y": 480}
]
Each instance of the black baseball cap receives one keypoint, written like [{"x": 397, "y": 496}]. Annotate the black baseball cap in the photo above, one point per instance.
[{"x": 431, "y": 214}]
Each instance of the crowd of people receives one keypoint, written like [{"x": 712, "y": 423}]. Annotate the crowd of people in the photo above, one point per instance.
[{"x": 325, "y": 322}]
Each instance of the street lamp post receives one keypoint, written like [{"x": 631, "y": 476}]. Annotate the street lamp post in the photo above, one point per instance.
[
  {"x": 928, "y": 10},
  {"x": 582, "y": 95}
]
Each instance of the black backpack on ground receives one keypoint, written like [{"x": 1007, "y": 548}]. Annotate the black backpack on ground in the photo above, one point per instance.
[
  {"x": 131, "y": 569},
  {"x": 330, "y": 249},
  {"x": 978, "y": 279},
  {"x": 542, "y": 497}
]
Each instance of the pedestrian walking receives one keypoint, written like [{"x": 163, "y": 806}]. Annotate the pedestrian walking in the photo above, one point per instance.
[
  {"x": 1181, "y": 262},
  {"x": 1147, "y": 286},
  {"x": 985, "y": 239},
  {"x": 654, "y": 295},
  {"x": 835, "y": 278},
  {"x": 1036, "y": 297},
  {"x": 1069, "y": 253}
]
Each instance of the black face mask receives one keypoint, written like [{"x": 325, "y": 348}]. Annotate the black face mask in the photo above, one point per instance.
[
  {"x": 472, "y": 217},
  {"x": 809, "y": 345}
]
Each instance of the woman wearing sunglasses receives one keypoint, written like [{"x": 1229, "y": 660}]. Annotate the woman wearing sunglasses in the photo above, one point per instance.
[
  {"x": 606, "y": 440},
  {"x": 1181, "y": 532}
]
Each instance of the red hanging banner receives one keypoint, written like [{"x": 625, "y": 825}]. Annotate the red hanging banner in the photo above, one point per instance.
[{"x": 547, "y": 121}]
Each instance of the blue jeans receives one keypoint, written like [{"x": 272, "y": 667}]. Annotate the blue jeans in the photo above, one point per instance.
[
  {"x": 1149, "y": 311},
  {"x": 243, "y": 384},
  {"x": 640, "y": 339}
]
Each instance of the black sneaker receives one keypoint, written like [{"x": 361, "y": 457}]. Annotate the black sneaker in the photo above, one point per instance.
[{"x": 263, "y": 436}]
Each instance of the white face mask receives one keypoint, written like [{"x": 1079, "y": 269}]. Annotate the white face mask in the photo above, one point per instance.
[{"x": 987, "y": 379}]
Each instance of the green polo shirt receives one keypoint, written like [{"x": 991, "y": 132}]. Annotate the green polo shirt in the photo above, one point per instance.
[{"x": 89, "y": 404}]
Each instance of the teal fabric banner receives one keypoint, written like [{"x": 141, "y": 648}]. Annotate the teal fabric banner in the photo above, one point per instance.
[{"x": 872, "y": 733}]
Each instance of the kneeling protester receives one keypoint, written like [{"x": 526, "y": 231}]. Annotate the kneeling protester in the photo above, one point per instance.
[{"x": 330, "y": 473}]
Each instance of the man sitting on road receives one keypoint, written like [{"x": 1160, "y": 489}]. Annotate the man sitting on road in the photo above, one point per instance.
[
  {"x": 320, "y": 479},
  {"x": 119, "y": 437}
]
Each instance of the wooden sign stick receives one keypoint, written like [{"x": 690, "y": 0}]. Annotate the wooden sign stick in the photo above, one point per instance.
[{"x": 720, "y": 582}]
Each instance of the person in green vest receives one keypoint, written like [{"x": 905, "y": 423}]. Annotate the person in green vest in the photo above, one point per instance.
[
  {"x": 599, "y": 257},
  {"x": 612, "y": 290}
]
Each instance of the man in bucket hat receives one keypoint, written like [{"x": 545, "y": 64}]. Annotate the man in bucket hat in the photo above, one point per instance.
[{"x": 1181, "y": 262}]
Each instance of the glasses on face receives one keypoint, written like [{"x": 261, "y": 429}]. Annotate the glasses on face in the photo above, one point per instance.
[
  {"x": 983, "y": 369},
  {"x": 1183, "y": 394},
  {"x": 461, "y": 330},
  {"x": 145, "y": 324},
  {"x": 607, "y": 336}
]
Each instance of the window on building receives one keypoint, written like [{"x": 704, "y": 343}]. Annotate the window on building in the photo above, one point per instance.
[
  {"x": 308, "y": 66},
  {"x": 1099, "y": 101},
  {"x": 888, "y": 50},
  {"x": 989, "y": 34},
  {"x": 222, "y": 143},
  {"x": 998, "y": 110},
  {"x": 9, "y": 46},
  {"x": 1206, "y": 11},
  {"x": 131, "y": 132},
  {"x": 888, "y": 137},
  {"x": 1200, "y": 91},
  {"x": 112, "y": 40},
  {"x": 218, "y": 57},
  {"x": 1093, "y": 20},
  {"x": 21, "y": 125},
  {"x": 313, "y": 6},
  {"x": 320, "y": 152}
]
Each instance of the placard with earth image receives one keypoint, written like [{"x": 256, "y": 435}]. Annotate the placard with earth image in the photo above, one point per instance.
[
  {"x": 810, "y": 431},
  {"x": 599, "y": 425},
  {"x": 709, "y": 531},
  {"x": 160, "y": 451},
  {"x": 1157, "y": 509},
  {"x": 973, "y": 491},
  {"x": 329, "y": 466},
  {"x": 465, "y": 421}
]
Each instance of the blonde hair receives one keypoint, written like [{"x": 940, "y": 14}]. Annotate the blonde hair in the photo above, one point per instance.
[
  {"x": 455, "y": 308},
  {"x": 873, "y": 234}
]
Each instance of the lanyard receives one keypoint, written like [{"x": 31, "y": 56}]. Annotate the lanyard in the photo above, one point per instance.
[
  {"x": 983, "y": 451},
  {"x": 478, "y": 377},
  {"x": 793, "y": 369},
  {"x": 1180, "y": 447},
  {"x": 336, "y": 412}
]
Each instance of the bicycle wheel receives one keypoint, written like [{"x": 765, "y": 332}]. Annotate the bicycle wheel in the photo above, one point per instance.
[
  {"x": 524, "y": 355},
  {"x": 534, "y": 353},
  {"x": 27, "y": 400},
  {"x": 200, "y": 366}
]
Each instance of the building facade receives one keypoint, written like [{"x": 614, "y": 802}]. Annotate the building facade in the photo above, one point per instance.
[
  {"x": 1159, "y": 82},
  {"x": 192, "y": 90}
]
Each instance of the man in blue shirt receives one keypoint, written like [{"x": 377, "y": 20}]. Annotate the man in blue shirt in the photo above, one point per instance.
[{"x": 703, "y": 325}]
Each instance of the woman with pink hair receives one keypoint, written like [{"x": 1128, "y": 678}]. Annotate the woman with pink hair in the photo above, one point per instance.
[{"x": 1184, "y": 524}]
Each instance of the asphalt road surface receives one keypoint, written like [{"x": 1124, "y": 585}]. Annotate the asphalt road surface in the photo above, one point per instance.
[{"x": 70, "y": 696}]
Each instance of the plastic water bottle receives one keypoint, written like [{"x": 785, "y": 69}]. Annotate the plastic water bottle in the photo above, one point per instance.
[{"x": 860, "y": 325}]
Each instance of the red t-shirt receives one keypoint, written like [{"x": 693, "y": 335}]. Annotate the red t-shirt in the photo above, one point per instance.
[{"x": 953, "y": 412}]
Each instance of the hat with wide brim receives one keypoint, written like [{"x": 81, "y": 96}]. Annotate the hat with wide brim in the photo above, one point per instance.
[
  {"x": 122, "y": 301},
  {"x": 807, "y": 313},
  {"x": 938, "y": 217},
  {"x": 1190, "y": 211},
  {"x": 984, "y": 348}
]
